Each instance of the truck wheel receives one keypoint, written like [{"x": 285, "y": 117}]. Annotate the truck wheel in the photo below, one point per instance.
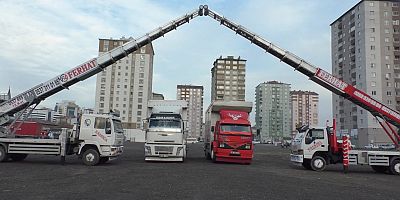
[
  {"x": 306, "y": 164},
  {"x": 394, "y": 167},
  {"x": 90, "y": 157},
  {"x": 318, "y": 163},
  {"x": 103, "y": 160},
  {"x": 213, "y": 157},
  {"x": 207, "y": 155},
  {"x": 3, "y": 154},
  {"x": 18, "y": 157},
  {"x": 379, "y": 169}
]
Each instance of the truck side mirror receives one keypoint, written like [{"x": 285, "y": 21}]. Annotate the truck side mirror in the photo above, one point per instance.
[
  {"x": 212, "y": 128},
  {"x": 145, "y": 124},
  {"x": 108, "y": 130}
]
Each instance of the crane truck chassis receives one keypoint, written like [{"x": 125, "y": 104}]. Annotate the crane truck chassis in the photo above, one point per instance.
[
  {"x": 385, "y": 115},
  {"x": 316, "y": 147},
  {"x": 98, "y": 138}
]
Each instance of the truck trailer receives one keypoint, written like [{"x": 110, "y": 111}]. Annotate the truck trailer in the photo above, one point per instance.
[
  {"x": 228, "y": 136},
  {"x": 165, "y": 130}
]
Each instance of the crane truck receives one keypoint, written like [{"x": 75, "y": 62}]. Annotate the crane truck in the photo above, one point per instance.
[
  {"x": 165, "y": 130},
  {"x": 386, "y": 116},
  {"x": 228, "y": 136}
]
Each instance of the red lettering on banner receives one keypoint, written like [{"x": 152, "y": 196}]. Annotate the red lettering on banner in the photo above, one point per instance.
[
  {"x": 80, "y": 70},
  {"x": 331, "y": 80}
]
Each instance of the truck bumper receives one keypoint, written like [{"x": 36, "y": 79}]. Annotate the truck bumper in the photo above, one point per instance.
[
  {"x": 234, "y": 156},
  {"x": 113, "y": 151},
  {"x": 162, "y": 152},
  {"x": 296, "y": 159}
]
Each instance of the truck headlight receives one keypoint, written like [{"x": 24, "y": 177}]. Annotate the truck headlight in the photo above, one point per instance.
[
  {"x": 221, "y": 145},
  {"x": 178, "y": 151},
  {"x": 247, "y": 146},
  {"x": 147, "y": 150}
]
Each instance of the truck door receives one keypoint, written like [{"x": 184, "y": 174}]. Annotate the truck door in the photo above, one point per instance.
[
  {"x": 315, "y": 140},
  {"x": 101, "y": 133}
]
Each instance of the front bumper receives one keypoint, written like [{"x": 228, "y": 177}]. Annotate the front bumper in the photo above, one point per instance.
[
  {"x": 296, "y": 158},
  {"x": 116, "y": 151},
  {"x": 160, "y": 152},
  {"x": 235, "y": 156}
]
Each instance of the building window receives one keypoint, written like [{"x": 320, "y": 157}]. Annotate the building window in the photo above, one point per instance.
[
  {"x": 373, "y": 74},
  {"x": 371, "y": 4},
  {"x": 373, "y": 93},
  {"x": 141, "y": 63},
  {"x": 141, "y": 75},
  {"x": 373, "y": 83},
  {"x": 372, "y": 39}
]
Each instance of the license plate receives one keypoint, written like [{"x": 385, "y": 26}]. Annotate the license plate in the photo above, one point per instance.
[
  {"x": 163, "y": 155},
  {"x": 235, "y": 153},
  {"x": 296, "y": 158}
]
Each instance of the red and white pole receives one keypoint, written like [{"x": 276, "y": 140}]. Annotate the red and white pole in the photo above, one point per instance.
[{"x": 346, "y": 148}]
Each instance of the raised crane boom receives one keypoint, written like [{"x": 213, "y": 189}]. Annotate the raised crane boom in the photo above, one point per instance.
[
  {"x": 38, "y": 93},
  {"x": 317, "y": 75},
  {"x": 94, "y": 66}
]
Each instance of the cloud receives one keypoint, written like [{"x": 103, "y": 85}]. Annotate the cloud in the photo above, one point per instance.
[{"x": 41, "y": 39}]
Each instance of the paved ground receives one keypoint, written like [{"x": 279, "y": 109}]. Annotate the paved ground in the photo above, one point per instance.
[{"x": 270, "y": 176}]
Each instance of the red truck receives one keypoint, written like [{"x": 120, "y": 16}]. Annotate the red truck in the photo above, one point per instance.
[
  {"x": 228, "y": 136},
  {"x": 29, "y": 129}
]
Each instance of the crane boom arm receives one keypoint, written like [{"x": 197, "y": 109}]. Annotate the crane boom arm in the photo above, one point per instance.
[
  {"x": 87, "y": 69},
  {"x": 316, "y": 74}
]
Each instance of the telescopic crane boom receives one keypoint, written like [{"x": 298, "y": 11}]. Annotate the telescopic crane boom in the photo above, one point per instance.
[
  {"x": 38, "y": 93},
  {"x": 318, "y": 75}
]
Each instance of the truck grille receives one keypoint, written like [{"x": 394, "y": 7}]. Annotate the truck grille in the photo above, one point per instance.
[{"x": 164, "y": 149}]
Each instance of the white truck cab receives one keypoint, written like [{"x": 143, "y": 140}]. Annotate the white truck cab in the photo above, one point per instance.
[
  {"x": 316, "y": 147},
  {"x": 103, "y": 133}
]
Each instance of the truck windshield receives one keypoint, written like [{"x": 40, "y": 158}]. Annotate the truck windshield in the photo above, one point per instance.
[
  {"x": 235, "y": 128},
  {"x": 164, "y": 123},
  {"x": 118, "y": 126}
]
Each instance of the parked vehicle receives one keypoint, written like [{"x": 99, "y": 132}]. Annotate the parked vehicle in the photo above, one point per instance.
[
  {"x": 96, "y": 139},
  {"x": 165, "y": 130},
  {"x": 228, "y": 136},
  {"x": 316, "y": 147}
]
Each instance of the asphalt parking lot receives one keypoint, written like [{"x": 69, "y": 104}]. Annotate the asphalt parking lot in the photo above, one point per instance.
[{"x": 270, "y": 176}]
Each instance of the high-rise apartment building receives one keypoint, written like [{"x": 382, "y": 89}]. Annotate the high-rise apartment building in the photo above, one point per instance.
[
  {"x": 273, "y": 118},
  {"x": 126, "y": 86},
  {"x": 228, "y": 79},
  {"x": 5, "y": 96},
  {"x": 304, "y": 108},
  {"x": 366, "y": 54},
  {"x": 68, "y": 109},
  {"x": 194, "y": 96}
]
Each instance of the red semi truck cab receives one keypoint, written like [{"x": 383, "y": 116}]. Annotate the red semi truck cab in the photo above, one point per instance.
[{"x": 228, "y": 136}]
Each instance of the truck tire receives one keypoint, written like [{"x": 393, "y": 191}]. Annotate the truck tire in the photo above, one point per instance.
[
  {"x": 213, "y": 157},
  {"x": 207, "y": 155},
  {"x": 103, "y": 160},
  {"x": 318, "y": 163},
  {"x": 394, "y": 166},
  {"x": 379, "y": 169},
  {"x": 90, "y": 157},
  {"x": 306, "y": 164},
  {"x": 3, "y": 154},
  {"x": 18, "y": 157}
]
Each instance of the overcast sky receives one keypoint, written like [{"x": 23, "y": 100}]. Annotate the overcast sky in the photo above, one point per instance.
[{"x": 41, "y": 39}]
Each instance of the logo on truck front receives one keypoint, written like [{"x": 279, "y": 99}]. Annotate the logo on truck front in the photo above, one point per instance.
[{"x": 235, "y": 117}]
